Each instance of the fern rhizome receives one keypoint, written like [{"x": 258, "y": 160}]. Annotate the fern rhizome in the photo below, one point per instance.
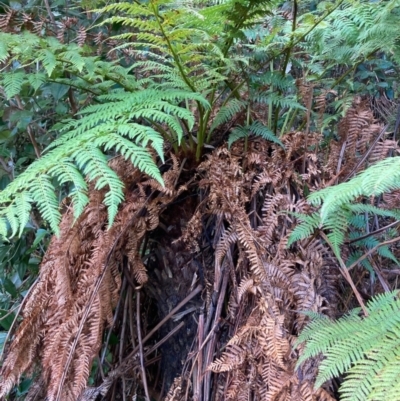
[{"x": 177, "y": 187}]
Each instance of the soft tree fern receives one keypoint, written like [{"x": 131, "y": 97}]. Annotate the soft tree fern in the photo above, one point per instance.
[{"x": 182, "y": 57}]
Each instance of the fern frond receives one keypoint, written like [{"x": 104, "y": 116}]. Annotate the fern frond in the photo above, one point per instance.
[
  {"x": 237, "y": 133},
  {"x": 139, "y": 156},
  {"x": 22, "y": 208},
  {"x": 337, "y": 226},
  {"x": 66, "y": 172},
  {"x": 43, "y": 194},
  {"x": 36, "y": 80},
  {"x": 49, "y": 60},
  {"x": 94, "y": 164},
  {"x": 13, "y": 83},
  {"x": 366, "y": 208},
  {"x": 3, "y": 52},
  {"x": 385, "y": 252},
  {"x": 113, "y": 124},
  {"x": 274, "y": 99},
  {"x": 226, "y": 112},
  {"x": 259, "y": 129},
  {"x": 309, "y": 223},
  {"x": 367, "y": 348},
  {"x": 375, "y": 180}
]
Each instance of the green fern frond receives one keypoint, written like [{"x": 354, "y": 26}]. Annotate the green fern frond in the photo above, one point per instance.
[
  {"x": 13, "y": 83},
  {"x": 375, "y": 180},
  {"x": 256, "y": 128},
  {"x": 139, "y": 156},
  {"x": 94, "y": 164},
  {"x": 22, "y": 208},
  {"x": 275, "y": 79},
  {"x": 66, "y": 172},
  {"x": 111, "y": 125},
  {"x": 367, "y": 208},
  {"x": 385, "y": 252},
  {"x": 358, "y": 221},
  {"x": 259, "y": 129},
  {"x": 274, "y": 99},
  {"x": 237, "y": 133},
  {"x": 3, "y": 228},
  {"x": 309, "y": 223},
  {"x": 72, "y": 56},
  {"x": 36, "y": 80},
  {"x": 43, "y": 194},
  {"x": 49, "y": 61},
  {"x": 13, "y": 219},
  {"x": 337, "y": 226},
  {"x": 367, "y": 349},
  {"x": 3, "y": 52},
  {"x": 226, "y": 112}
]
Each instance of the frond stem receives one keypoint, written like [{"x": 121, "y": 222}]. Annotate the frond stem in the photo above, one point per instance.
[{"x": 345, "y": 272}]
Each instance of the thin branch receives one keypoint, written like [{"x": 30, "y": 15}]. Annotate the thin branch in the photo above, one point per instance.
[
  {"x": 6, "y": 168},
  {"x": 372, "y": 250},
  {"x": 141, "y": 356},
  {"x": 49, "y": 12},
  {"x": 34, "y": 143},
  {"x": 373, "y": 232},
  {"x": 345, "y": 272}
]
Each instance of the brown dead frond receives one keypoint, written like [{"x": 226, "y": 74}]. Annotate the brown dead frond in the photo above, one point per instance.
[
  {"x": 270, "y": 285},
  {"x": 78, "y": 286},
  {"x": 361, "y": 141}
]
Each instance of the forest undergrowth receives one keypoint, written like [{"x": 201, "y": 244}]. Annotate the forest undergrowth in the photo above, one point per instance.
[
  {"x": 215, "y": 247},
  {"x": 202, "y": 173}
]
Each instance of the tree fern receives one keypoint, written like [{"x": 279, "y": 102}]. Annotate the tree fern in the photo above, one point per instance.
[
  {"x": 181, "y": 63},
  {"x": 185, "y": 46},
  {"x": 367, "y": 349}
]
